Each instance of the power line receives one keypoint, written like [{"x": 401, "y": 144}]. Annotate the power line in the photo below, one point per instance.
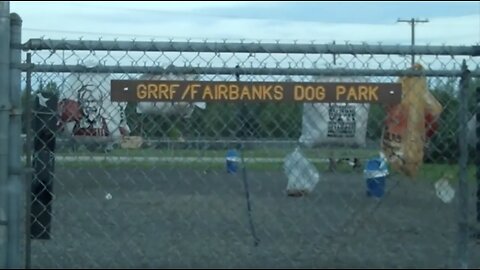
[
  {"x": 59, "y": 31},
  {"x": 412, "y": 23}
]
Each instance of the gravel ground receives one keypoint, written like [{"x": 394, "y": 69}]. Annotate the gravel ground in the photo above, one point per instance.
[{"x": 171, "y": 218}]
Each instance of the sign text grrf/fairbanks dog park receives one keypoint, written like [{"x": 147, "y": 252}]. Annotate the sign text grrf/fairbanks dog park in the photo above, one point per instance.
[{"x": 194, "y": 91}]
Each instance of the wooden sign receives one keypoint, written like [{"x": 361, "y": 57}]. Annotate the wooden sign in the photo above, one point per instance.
[{"x": 198, "y": 91}]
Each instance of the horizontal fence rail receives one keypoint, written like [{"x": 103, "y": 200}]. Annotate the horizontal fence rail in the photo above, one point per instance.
[
  {"x": 145, "y": 46},
  {"x": 242, "y": 71}
]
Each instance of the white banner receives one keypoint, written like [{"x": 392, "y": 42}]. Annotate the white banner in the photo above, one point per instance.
[
  {"x": 334, "y": 123},
  {"x": 86, "y": 110}
]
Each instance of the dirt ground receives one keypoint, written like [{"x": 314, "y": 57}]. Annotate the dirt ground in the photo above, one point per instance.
[{"x": 171, "y": 218}]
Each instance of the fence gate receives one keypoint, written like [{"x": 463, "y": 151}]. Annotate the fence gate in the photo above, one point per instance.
[{"x": 160, "y": 154}]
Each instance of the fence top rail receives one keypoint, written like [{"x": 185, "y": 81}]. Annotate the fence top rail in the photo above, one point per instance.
[
  {"x": 247, "y": 47},
  {"x": 242, "y": 71}
]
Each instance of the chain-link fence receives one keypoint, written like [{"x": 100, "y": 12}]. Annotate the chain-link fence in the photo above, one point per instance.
[{"x": 244, "y": 184}]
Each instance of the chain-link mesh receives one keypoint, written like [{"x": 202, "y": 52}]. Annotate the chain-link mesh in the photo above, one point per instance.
[{"x": 223, "y": 184}]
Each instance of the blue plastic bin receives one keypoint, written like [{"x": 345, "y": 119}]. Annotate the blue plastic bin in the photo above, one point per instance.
[
  {"x": 232, "y": 161},
  {"x": 375, "y": 174}
]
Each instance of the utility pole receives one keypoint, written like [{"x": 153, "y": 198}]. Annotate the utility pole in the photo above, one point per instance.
[
  {"x": 412, "y": 23},
  {"x": 334, "y": 56}
]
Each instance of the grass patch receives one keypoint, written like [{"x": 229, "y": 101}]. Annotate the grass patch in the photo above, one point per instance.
[
  {"x": 262, "y": 152},
  {"x": 428, "y": 172}
]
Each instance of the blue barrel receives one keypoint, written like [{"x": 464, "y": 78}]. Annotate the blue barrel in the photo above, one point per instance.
[
  {"x": 232, "y": 161},
  {"x": 376, "y": 172}
]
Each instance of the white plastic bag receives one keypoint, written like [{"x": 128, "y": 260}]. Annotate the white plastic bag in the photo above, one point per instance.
[
  {"x": 334, "y": 123},
  {"x": 444, "y": 190},
  {"x": 302, "y": 175}
]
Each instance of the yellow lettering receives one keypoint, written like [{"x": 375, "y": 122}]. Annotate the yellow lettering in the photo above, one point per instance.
[
  {"x": 194, "y": 90},
  {"x": 278, "y": 92},
  {"x": 173, "y": 90},
  {"x": 234, "y": 92},
  {"x": 298, "y": 92},
  {"x": 141, "y": 91},
  {"x": 363, "y": 93},
  {"x": 320, "y": 93},
  {"x": 152, "y": 91},
  {"x": 222, "y": 92},
  {"x": 257, "y": 92},
  {"x": 215, "y": 92},
  {"x": 185, "y": 92},
  {"x": 267, "y": 92},
  {"x": 309, "y": 93},
  {"x": 267, "y": 95},
  {"x": 372, "y": 93},
  {"x": 163, "y": 91},
  {"x": 207, "y": 91},
  {"x": 246, "y": 93},
  {"x": 352, "y": 93},
  {"x": 340, "y": 90}
]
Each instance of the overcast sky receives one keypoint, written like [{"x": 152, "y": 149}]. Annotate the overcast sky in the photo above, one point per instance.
[{"x": 455, "y": 23}]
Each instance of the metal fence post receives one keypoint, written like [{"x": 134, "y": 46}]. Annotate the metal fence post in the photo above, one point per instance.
[
  {"x": 477, "y": 152},
  {"x": 4, "y": 119},
  {"x": 15, "y": 194},
  {"x": 462, "y": 248},
  {"x": 28, "y": 153}
]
